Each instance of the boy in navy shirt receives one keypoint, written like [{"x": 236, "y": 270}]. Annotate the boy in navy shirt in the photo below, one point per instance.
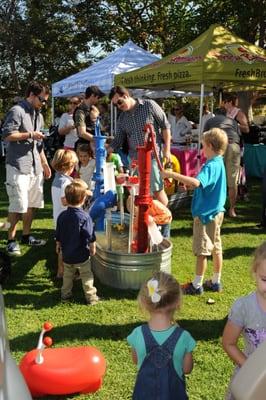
[
  {"x": 76, "y": 239},
  {"x": 207, "y": 211}
]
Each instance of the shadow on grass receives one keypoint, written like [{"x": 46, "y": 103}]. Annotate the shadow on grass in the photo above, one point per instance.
[
  {"x": 23, "y": 264},
  {"x": 202, "y": 330},
  {"x": 238, "y": 251},
  {"x": 181, "y": 232}
]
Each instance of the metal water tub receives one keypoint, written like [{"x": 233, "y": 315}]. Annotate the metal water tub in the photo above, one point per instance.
[{"x": 130, "y": 270}]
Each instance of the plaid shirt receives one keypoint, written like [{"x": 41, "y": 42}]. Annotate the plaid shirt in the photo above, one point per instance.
[{"x": 130, "y": 125}]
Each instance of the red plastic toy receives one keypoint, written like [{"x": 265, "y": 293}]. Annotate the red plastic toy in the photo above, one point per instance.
[{"x": 62, "y": 371}]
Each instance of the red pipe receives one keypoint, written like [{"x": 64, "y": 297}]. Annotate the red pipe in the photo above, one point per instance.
[{"x": 144, "y": 199}]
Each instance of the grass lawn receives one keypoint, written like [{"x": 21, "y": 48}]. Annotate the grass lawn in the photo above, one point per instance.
[{"x": 31, "y": 297}]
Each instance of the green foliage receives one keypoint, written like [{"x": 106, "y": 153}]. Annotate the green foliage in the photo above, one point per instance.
[
  {"x": 32, "y": 297},
  {"x": 50, "y": 40}
]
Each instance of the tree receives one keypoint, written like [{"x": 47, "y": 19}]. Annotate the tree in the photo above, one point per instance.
[{"x": 39, "y": 40}]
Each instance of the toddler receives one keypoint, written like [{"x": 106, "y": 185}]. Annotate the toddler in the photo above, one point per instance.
[
  {"x": 161, "y": 349},
  {"x": 86, "y": 165},
  {"x": 248, "y": 317},
  {"x": 63, "y": 163},
  {"x": 75, "y": 239}
]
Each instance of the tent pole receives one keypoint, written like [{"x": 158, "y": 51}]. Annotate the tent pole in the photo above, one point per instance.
[
  {"x": 52, "y": 111},
  {"x": 112, "y": 120},
  {"x": 115, "y": 120},
  {"x": 200, "y": 123},
  {"x": 201, "y": 109},
  {"x": 220, "y": 97}
]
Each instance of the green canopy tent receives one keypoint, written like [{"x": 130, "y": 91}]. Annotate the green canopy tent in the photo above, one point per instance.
[{"x": 217, "y": 59}]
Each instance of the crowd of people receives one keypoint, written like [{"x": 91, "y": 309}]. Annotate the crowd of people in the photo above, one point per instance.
[{"x": 74, "y": 165}]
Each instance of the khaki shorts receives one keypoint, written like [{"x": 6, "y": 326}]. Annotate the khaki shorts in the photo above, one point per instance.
[
  {"x": 156, "y": 179},
  {"x": 24, "y": 191},
  {"x": 232, "y": 164},
  {"x": 207, "y": 238}
]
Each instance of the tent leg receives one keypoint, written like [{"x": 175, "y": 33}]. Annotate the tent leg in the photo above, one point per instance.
[
  {"x": 52, "y": 111},
  {"x": 200, "y": 123},
  {"x": 112, "y": 119}
]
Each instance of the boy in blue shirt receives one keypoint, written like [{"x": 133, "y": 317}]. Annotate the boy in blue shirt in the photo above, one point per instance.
[
  {"x": 207, "y": 211},
  {"x": 76, "y": 239}
]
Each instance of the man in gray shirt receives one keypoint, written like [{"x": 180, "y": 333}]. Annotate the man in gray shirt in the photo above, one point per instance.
[
  {"x": 26, "y": 163},
  {"x": 232, "y": 155}
]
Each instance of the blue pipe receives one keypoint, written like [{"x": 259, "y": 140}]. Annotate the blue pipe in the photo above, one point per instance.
[
  {"x": 97, "y": 210},
  {"x": 102, "y": 201}
]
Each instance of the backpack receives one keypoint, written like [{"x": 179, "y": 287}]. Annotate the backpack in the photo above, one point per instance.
[
  {"x": 5, "y": 267},
  {"x": 157, "y": 377}
]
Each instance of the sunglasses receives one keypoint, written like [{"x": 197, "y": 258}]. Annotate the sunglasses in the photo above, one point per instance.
[
  {"x": 119, "y": 103},
  {"x": 74, "y": 102},
  {"x": 42, "y": 99},
  {"x": 177, "y": 109}
]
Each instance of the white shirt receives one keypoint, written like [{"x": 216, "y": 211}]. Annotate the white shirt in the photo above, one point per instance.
[
  {"x": 179, "y": 128},
  {"x": 71, "y": 138},
  {"x": 86, "y": 173},
  {"x": 59, "y": 184}
]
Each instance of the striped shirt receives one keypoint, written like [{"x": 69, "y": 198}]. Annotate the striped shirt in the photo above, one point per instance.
[{"x": 130, "y": 125}]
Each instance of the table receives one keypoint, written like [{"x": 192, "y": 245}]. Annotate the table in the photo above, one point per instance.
[
  {"x": 254, "y": 159},
  {"x": 188, "y": 159}
]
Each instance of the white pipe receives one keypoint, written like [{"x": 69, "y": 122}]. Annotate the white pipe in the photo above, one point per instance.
[
  {"x": 109, "y": 228},
  {"x": 121, "y": 203},
  {"x": 131, "y": 217}
]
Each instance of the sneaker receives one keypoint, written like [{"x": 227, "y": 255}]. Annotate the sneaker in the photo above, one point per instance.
[
  {"x": 213, "y": 287},
  {"x": 13, "y": 248},
  {"x": 94, "y": 301},
  {"x": 67, "y": 299},
  {"x": 260, "y": 226},
  {"x": 31, "y": 241},
  {"x": 188, "y": 288}
]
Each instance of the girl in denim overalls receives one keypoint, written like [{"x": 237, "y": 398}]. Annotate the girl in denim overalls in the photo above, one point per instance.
[{"x": 160, "y": 348}]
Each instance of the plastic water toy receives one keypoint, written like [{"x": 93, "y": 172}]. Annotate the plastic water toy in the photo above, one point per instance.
[
  {"x": 250, "y": 381},
  {"x": 12, "y": 383},
  {"x": 62, "y": 371}
]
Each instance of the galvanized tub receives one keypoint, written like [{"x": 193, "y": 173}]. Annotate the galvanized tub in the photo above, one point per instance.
[{"x": 130, "y": 270}]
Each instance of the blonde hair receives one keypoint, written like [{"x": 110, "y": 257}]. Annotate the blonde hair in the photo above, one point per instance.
[
  {"x": 75, "y": 192},
  {"x": 217, "y": 138},
  {"x": 64, "y": 160},
  {"x": 259, "y": 257},
  {"x": 168, "y": 288}
]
